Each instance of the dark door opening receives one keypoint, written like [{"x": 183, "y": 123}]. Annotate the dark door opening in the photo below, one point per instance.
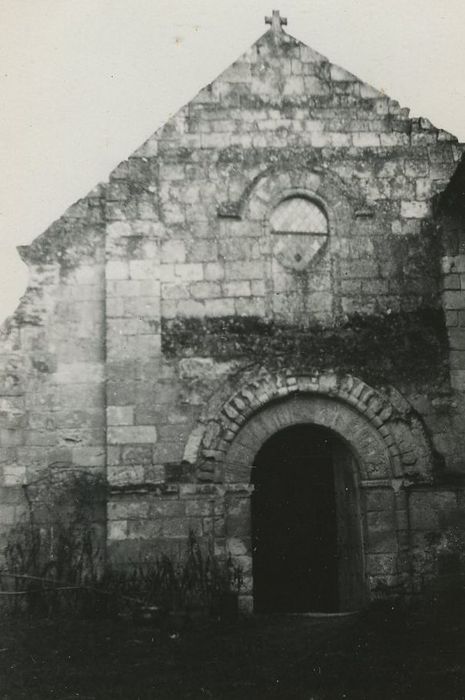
[{"x": 305, "y": 524}]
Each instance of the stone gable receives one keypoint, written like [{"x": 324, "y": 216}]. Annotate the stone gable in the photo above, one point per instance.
[{"x": 174, "y": 303}]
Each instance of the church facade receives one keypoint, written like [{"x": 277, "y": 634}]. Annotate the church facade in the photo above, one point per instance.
[{"x": 255, "y": 330}]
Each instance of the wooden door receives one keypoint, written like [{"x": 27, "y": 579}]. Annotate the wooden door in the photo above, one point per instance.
[{"x": 349, "y": 530}]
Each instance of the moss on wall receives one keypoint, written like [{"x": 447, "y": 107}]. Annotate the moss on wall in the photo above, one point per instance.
[{"x": 407, "y": 347}]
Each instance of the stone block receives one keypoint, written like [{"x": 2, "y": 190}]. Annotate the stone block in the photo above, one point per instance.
[
  {"x": 238, "y": 288},
  {"x": 147, "y": 347},
  {"x": 177, "y": 527},
  {"x": 121, "y": 390},
  {"x": 131, "y": 434},
  {"x": 381, "y": 520},
  {"x": 451, "y": 281},
  {"x": 219, "y": 307},
  {"x": 167, "y": 508},
  {"x": 117, "y": 270},
  {"x": 454, "y": 300},
  {"x": 173, "y": 251},
  {"x": 205, "y": 290},
  {"x": 236, "y": 547},
  {"x": 458, "y": 263},
  {"x": 88, "y": 456},
  {"x": 394, "y": 140},
  {"x": 125, "y": 509},
  {"x": 245, "y": 602},
  {"x": 120, "y": 415},
  {"x": 204, "y": 250},
  {"x": 14, "y": 475},
  {"x": 384, "y": 564},
  {"x": 136, "y": 455},
  {"x": 13, "y": 496},
  {"x": 144, "y": 529},
  {"x": 155, "y": 473},
  {"x": 189, "y": 272},
  {"x": 243, "y": 270},
  {"x": 258, "y": 288},
  {"x": 168, "y": 452},
  {"x": 453, "y": 319},
  {"x": 364, "y": 139},
  {"x": 340, "y": 74},
  {"x": 312, "y": 86},
  {"x": 125, "y": 475},
  {"x": 242, "y": 248},
  {"x": 142, "y": 269},
  {"x": 375, "y": 287},
  {"x": 199, "y": 508},
  {"x": 417, "y": 168},
  {"x": 169, "y": 171},
  {"x": 79, "y": 373},
  {"x": 426, "y": 507},
  {"x": 457, "y": 338},
  {"x": 251, "y": 306},
  {"x": 86, "y": 274},
  {"x": 134, "y": 288},
  {"x": 8, "y": 455},
  {"x": 359, "y": 269},
  {"x": 214, "y": 271},
  {"x": 457, "y": 378},
  {"x": 174, "y": 291},
  {"x": 214, "y": 140},
  {"x": 189, "y": 307},
  {"x": 237, "y": 520},
  {"x": 415, "y": 209},
  {"x": 423, "y": 188},
  {"x": 12, "y": 437},
  {"x": 379, "y": 500},
  {"x": 367, "y": 91},
  {"x": 117, "y": 530}
]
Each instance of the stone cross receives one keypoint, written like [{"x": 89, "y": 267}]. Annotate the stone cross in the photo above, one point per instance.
[{"x": 276, "y": 21}]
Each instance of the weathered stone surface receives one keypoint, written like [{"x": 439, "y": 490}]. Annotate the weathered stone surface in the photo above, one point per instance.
[
  {"x": 123, "y": 435},
  {"x": 170, "y": 327}
]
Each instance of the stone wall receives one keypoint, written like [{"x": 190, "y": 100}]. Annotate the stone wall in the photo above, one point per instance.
[
  {"x": 155, "y": 296},
  {"x": 52, "y": 360}
]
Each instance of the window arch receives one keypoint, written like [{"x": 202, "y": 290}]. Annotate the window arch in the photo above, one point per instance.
[{"x": 298, "y": 215}]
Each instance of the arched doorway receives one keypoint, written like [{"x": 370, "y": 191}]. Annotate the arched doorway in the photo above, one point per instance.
[{"x": 306, "y": 523}]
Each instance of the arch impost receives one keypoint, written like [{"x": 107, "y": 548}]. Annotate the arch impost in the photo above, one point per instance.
[{"x": 376, "y": 483}]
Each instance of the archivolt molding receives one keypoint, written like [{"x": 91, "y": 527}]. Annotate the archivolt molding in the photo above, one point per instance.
[
  {"x": 405, "y": 446},
  {"x": 271, "y": 186}
]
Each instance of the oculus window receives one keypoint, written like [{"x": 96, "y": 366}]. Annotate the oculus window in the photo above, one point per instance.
[{"x": 299, "y": 229}]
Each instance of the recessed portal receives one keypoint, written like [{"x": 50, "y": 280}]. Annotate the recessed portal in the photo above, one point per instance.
[{"x": 306, "y": 530}]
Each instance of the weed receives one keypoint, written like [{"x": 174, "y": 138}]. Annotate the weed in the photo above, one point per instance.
[{"x": 55, "y": 560}]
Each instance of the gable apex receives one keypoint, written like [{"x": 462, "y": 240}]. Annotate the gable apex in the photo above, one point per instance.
[{"x": 279, "y": 93}]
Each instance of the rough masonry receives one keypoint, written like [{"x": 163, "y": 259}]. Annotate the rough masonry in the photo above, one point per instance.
[{"x": 288, "y": 248}]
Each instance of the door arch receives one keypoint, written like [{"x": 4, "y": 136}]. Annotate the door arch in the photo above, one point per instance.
[
  {"x": 386, "y": 442},
  {"x": 371, "y": 455},
  {"x": 306, "y": 524}
]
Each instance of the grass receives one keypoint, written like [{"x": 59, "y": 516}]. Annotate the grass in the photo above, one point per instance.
[{"x": 381, "y": 655}]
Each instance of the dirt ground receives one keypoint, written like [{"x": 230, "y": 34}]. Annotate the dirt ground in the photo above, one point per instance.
[{"x": 387, "y": 654}]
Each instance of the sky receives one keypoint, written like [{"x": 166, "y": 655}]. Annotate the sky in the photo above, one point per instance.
[{"x": 84, "y": 82}]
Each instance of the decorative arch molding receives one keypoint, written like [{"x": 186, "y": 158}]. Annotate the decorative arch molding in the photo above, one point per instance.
[
  {"x": 272, "y": 185},
  {"x": 382, "y": 431}
]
